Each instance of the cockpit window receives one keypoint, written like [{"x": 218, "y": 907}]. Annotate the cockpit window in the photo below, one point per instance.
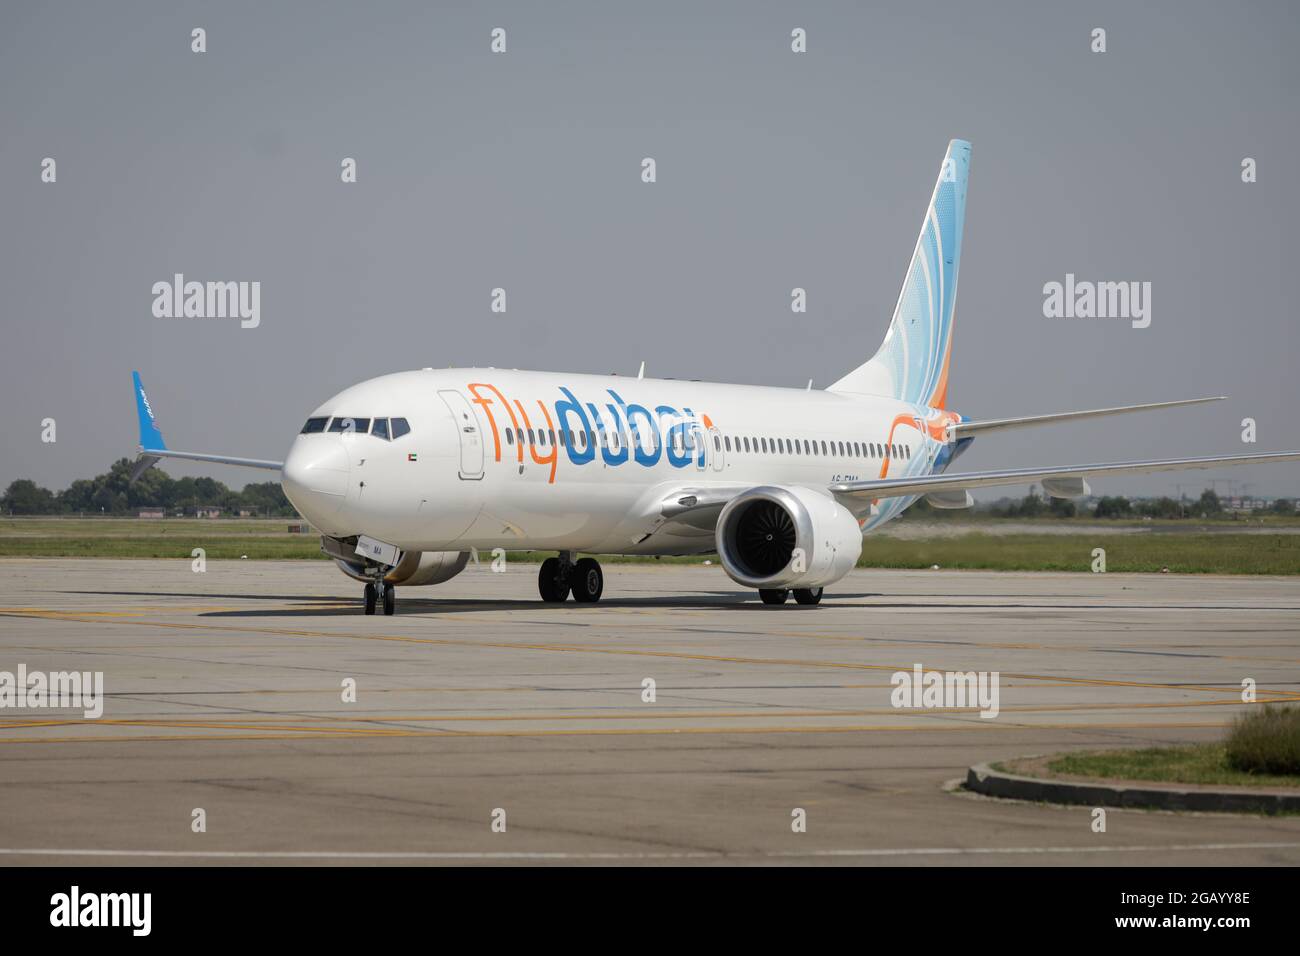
[
  {"x": 313, "y": 426},
  {"x": 398, "y": 427},
  {"x": 381, "y": 428},
  {"x": 359, "y": 425}
]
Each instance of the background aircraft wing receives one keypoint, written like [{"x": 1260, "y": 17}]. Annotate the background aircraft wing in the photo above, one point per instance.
[
  {"x": 153, "y": 448},
  {"x": 157, "y": 453}
]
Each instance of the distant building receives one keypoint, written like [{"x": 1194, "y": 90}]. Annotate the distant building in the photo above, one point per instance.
[
  {"x": 151, "y": 513},
  {"x": 207, "y": 512},
  {"x": 1245, "y": 503}
]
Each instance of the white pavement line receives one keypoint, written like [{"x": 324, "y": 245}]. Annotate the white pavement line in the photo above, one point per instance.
[{"x": 651, "y": 855}]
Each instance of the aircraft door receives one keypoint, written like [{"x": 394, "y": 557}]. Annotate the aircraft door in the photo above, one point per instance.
[{"x": 471, "y": 438}]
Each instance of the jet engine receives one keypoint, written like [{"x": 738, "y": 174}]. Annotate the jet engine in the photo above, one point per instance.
[{"x": 775, "y": 536}]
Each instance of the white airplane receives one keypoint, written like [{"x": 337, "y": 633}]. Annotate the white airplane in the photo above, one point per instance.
[{"x": 405, "y": 474}]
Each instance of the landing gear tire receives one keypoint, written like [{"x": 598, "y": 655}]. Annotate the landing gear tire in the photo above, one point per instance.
[
  {"x": 552, "y": 585},
  {"x": 774, "y": 595},
  {"x": 808, "y": 595},
  {"x": 372, "y": 596},
  {"x": 390, "y": 600},
  {"x": 588, "y": 581}
]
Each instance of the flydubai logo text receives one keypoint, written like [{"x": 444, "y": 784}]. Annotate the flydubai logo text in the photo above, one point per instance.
[
  {"x": 919, "y": 688},
  {"x": 619, "y": 432},
  {"x": 208, "y": 300}
]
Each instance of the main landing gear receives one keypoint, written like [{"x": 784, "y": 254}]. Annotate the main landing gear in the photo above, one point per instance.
[
  {"x": 801, "y": 595},
  {"x": 558, "y": 577},
  {"x": 381, "y": 592}
]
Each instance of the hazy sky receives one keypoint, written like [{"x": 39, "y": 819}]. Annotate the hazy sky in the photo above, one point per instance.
[{"x": 522, "y": 170}]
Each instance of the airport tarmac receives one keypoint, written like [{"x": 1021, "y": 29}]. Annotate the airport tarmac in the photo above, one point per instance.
[{"x": 223, "y": 691}]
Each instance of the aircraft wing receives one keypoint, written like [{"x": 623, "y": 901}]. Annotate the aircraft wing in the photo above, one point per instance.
[
  {"x": 153, "y": 448},
  {"x": 1063, "y": 475}
]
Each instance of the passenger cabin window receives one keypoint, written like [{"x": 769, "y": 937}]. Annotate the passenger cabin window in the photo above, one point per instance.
[
  {"x": 398, "y": 427},
  {"x": 314, "y": 425}
]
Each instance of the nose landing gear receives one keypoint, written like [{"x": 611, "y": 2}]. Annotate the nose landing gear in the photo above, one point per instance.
[{"x": 377, "y": 593}]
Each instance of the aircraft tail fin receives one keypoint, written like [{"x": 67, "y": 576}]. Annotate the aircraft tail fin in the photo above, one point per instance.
[
  {"x": 912, "y": 362},
  {"x": 153, "y": 449}
]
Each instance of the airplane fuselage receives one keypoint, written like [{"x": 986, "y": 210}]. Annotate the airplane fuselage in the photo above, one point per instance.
[{"x": 550, "y": 461}]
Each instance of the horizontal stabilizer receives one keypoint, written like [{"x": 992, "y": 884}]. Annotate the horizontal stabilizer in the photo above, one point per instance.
[{"x": 966, "y": 429}]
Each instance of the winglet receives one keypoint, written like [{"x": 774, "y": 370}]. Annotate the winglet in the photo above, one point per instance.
[{"x": 151, "y": 438}]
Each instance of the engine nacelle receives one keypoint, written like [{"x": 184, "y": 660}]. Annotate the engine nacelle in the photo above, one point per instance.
[{"x": 781, "y": 537}]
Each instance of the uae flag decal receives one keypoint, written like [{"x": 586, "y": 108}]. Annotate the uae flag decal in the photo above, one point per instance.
[{"x": 411, "y": 457}]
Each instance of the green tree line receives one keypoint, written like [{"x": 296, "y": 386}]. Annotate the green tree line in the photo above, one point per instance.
[{"x": 114, "y": 493}]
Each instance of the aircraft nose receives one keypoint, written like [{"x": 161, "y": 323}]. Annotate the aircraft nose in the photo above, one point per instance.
[{"x": 315, "y": 475}]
